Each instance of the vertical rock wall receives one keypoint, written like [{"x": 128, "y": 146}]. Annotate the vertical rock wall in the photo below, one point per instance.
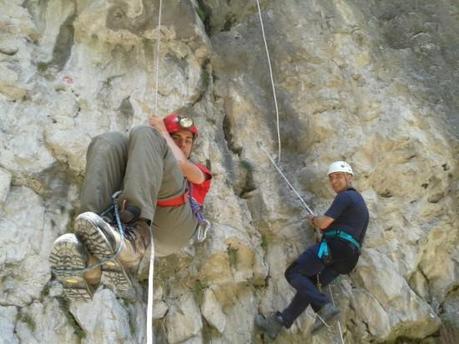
[{"x": 371, "y": 82}]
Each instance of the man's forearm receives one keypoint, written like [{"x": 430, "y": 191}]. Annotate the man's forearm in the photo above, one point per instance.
[
  {"x": 178, "y": 154},
  {"x": 321, "y": 222},
  {"x": 189, "y": 170}
]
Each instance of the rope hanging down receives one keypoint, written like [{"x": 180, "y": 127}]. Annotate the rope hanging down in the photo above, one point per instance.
[
  {"x": 151, "y": 270},
  {"x": 272, "y": 82},
  {"x": 158, "y": 46},
  {"x": 339, "y": 322}
]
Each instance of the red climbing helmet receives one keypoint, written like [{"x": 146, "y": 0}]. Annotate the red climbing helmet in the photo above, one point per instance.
[{"x": 175, "y": 122}]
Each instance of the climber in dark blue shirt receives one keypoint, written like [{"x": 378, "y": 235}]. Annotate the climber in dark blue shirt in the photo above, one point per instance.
[
  {"x": 349, "y": 212},
  {"x": 343, "y": 228}
]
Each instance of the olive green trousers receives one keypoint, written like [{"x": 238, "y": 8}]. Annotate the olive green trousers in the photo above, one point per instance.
[{"x": 144, "y": 168}]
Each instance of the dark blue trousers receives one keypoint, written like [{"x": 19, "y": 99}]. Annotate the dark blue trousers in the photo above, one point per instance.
[{"x": 302, "y": 275}]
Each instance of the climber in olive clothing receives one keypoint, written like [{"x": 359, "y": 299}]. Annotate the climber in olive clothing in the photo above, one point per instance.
[
  {"x": 162, "y": 193},
  {"x": 343, "y": 229}
]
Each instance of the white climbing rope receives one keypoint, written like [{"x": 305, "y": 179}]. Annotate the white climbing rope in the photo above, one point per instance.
[
  {"x": 306, "y": 207},
  {"x": 323, "y": 322},
  {"x": 272, "y": 82},
  {"x": 158, "y": 50},
  {"x": 150, "y": 334},
  {"x": 339, "y": 322},
  {"x": 151, "y": 271},
  {"x": 303, "y": 203}
]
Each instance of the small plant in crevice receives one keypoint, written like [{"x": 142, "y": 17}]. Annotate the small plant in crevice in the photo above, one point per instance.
[
  {"x": 205, "y": 76},
  {"x": 42, "y": 67},
  {"x": 198, "y": 291},
  {"x": 230, "y": 20},
  {"x": 204, "y": 13},
  {"x": 65, "y": 307},
  {"x": 249, "y": 182},
  {"x": 132, "y": 325},
  {"x": 28, "y": 320},
  {"x": 264, "y": 241},
  {"x": 247, "y": 165},
  {"x": 45, "y": 291},
  {"x": 232, "y": 255}
]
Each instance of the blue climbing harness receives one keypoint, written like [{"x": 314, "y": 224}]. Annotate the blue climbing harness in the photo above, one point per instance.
[
  {"x": 337, "y": 233},
  {"x": 324, "y": 250}
]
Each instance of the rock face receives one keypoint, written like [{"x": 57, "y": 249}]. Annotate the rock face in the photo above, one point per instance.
[{"x": 371, "y": 82}]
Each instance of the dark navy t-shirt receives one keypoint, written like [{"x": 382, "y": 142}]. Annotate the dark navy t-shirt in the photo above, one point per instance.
[{"x": 350, "y": 213}]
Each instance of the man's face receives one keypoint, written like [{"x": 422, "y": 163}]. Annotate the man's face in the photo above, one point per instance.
[
  {"x": 340, "y": 181},
  {"x": 184, "y": 140}
]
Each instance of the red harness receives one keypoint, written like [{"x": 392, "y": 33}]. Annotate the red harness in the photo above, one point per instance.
[
  {"x": 174, "y": 202},
  {"x": 198, "y": 191}
]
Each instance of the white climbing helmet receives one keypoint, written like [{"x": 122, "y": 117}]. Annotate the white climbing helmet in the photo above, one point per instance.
[{"x": 340, "y": 166}]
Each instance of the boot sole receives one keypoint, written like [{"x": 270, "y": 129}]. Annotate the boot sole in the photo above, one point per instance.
[
  {"x": 88, "y": 227},
  {"x": 69, "y": 254}
]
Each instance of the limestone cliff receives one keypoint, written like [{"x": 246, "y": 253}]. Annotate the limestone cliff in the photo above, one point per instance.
[{"x": 373, "y": 82}]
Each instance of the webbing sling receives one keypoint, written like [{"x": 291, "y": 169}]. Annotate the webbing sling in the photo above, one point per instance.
[
  {"x": 204, "y": 224},
  {"x": 341, "y": 235},
  {"x": 323, "y": 250}
]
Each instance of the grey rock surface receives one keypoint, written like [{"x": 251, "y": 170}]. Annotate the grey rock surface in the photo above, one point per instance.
[{"x": 375, "y": 83}]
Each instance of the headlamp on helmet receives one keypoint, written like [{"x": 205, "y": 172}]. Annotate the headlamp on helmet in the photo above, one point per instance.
[
  {"x": 185, "y": 122},
  {"x": 175, "y": 122}
]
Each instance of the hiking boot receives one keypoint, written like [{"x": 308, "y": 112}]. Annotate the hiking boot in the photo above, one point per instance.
[
  {"x": 271, "y": 325},
  {"x": 129, "y": 215},
  {"x": 328, "y": 313},
  {"x": 68, "y": 258},
  {"x": 119, "y": 255}
]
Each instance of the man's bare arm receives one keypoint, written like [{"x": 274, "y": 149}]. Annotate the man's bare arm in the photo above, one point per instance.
[
  {"x": 189, "y": 170},
  {"x": 321, "y": 222}
]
